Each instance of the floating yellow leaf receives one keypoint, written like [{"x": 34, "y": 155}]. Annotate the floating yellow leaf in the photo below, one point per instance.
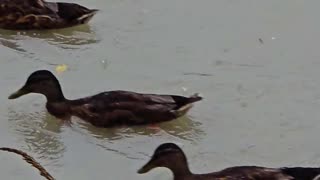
[{"x": 61, "y": 68}]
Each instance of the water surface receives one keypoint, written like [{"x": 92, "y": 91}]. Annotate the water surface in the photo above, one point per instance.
[{"x": 256, "y": 63}]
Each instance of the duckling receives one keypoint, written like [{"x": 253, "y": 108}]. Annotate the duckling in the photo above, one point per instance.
[
  {"x": 107, "y": 109},
  {"x": 39, "y": 14},
  {"x": 170, "y": 156}
]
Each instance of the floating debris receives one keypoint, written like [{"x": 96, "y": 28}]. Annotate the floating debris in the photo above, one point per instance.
[
  {"x": 30, "y": 160},
  {"x": 61, "y": 68},
  {"x": 197, "y": 74},
  {"x": 154, "y": 127},
  {"x": 261, "y": 41},
  {"x": 105, "y": 64},
  {"x": 184, "y": 89}
]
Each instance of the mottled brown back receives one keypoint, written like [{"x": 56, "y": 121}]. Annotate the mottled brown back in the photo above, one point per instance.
[{"x": 38, "y": 14}]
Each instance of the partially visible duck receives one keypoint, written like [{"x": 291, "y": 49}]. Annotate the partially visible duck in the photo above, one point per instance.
[
  {"x": 107, "y": 109},
  {"x": 39, "y": 14},
  {"x": 170, "y": 156}
]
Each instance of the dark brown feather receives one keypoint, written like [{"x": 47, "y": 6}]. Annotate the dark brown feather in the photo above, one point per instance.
[
  {"x": 38, "y": 14},
  {"x": 127, "y": 108},
  {"x": 247, "y": 173}
]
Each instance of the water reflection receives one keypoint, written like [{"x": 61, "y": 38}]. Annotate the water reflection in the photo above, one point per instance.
[
  {"x": 125, "y": 141},
  {"x": 183, "y": 128},
  {"x": 11, "y": 45},
  {"x": 40, "y": 132},
  {"x": 68, "y": 38}
]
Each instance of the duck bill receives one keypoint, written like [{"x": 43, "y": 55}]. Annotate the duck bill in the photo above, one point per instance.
[
  {"x": 146, "y": 168},
  {"x": 18, "y": 93}
]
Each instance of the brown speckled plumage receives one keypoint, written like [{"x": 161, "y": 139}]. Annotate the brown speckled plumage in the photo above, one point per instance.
[
  {"x": 169, "y": 155},
  {"x": 107, "y": 109},
  {"x": 39, "y": 14}
]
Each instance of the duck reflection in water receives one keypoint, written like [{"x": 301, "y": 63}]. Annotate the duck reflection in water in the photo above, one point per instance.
[
  {"x": 182, "y": 128},
  {"x": 70, "y": 38},
  {"x": 41, "y": 131}
]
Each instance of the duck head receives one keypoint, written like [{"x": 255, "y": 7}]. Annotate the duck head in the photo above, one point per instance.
[
  {"x": 41, "y": 82},
  {"x": 170, "y": 156}
]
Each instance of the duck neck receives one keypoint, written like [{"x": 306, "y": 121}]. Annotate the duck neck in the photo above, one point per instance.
[
  {"x": 180, "y": 169},
  {"x": 53, "y": 98},
  {"x": 54, "y": 95},
  {"x": 180, "y": 174}
]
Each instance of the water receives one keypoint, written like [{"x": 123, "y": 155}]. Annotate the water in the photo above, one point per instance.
[{"x": 256, "y": 63}]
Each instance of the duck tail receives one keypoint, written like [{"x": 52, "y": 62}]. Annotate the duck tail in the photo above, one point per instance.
[
  {"x": 88, "y": 16},
  {"x": 187, "y": 104},
  {"x": 194, "y": 98},
  {"x": 182, "y": 110},
  {"x": 303, "y": 173}
]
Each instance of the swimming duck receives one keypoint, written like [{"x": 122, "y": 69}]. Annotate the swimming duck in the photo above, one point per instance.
[
  {"x": 169, "y": 155},
  {"x": 107, "y": 109},
  {"x": 39, "y": 14}
]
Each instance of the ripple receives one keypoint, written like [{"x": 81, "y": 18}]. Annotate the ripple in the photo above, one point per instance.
[
  {"x": 68, "y": 38},
  {"x": 123, "y": 141},
  {"x": 39, "y": 133}
]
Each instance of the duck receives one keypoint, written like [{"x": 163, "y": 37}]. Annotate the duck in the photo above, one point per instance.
[
  {"x": 107, "y": 109},
  {"x": 39, "y": 14},
  {"x": 171, "y": 156}
]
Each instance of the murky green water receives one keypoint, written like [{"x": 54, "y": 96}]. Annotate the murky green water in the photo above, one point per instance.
[{"x": 262, "y": 97}]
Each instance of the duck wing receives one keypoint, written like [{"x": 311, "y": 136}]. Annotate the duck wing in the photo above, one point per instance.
[
  {"x": 125, "y": 113},
  {"x": 127, "y": 96},
  {"x": 251, "y": 173},
  {"x": 304, "y": 173},
  {"x": 24, "y": 7},
  {"x": 71, "y": 13},
  {"x": 39, "y": 14},
  {"x": 25, "y": 14},
  {"x": 36, "y": 3},
  {"x": 130, "y": 108}
]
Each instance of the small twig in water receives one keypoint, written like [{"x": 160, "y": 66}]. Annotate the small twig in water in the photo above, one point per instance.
[{"x": 30, "y": 160}]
